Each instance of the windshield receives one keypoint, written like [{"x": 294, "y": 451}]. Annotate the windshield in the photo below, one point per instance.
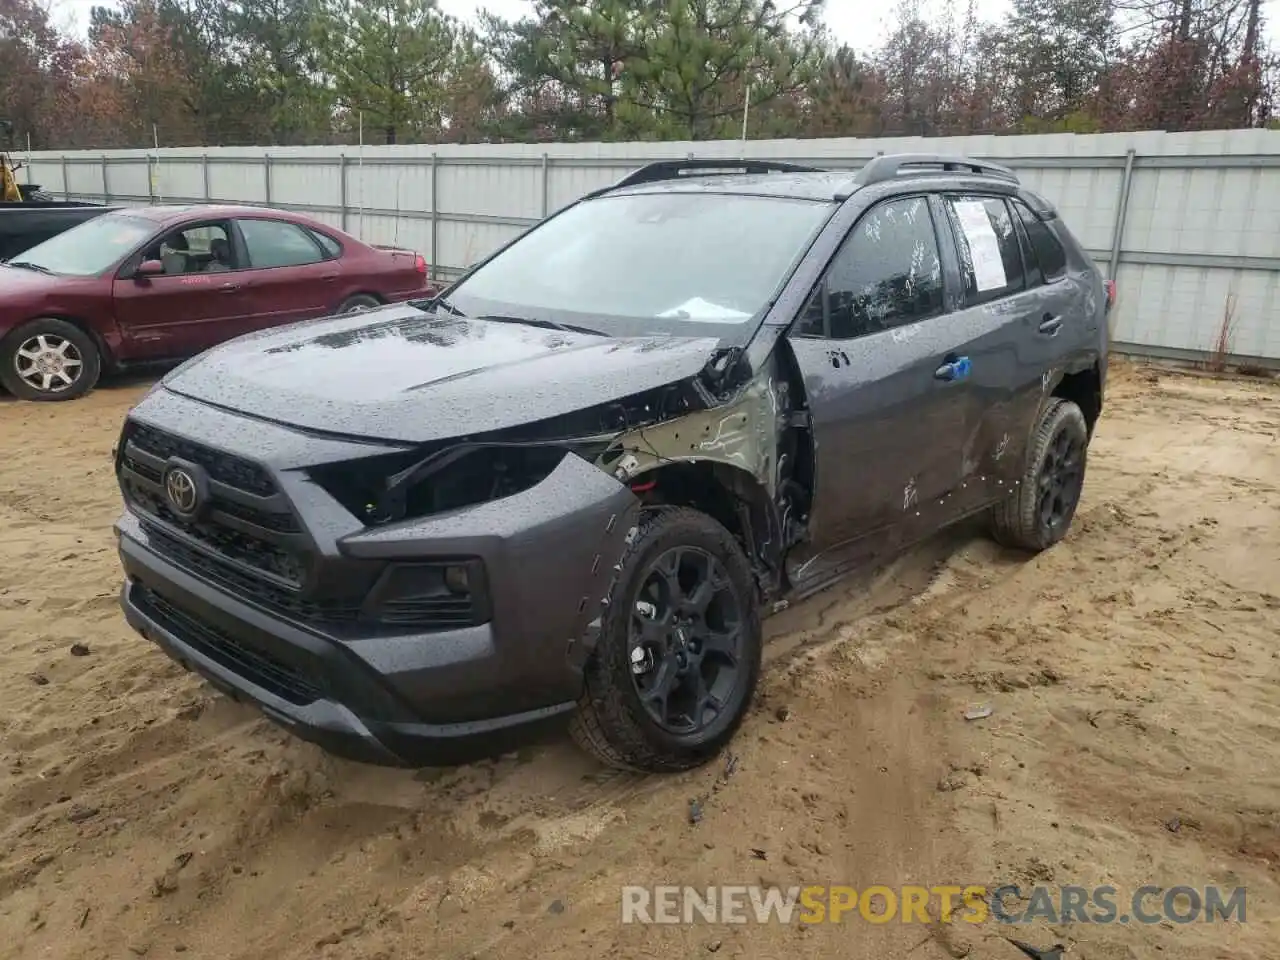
[
  {"x": 631, "y": 265},
  {"x": 89, "y": 248}
]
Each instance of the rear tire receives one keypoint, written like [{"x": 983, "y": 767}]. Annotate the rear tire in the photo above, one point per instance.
[
  {"x": 49, "y": 359},
  {"x": 697, "y": 670},
  {"x": 359, "y": 303},
  {"x": 1039, "y": 513}
]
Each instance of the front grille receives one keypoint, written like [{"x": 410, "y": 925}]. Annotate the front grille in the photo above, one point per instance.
[
  {"x": 265, "y": 536},
  {"x": 258, "y": 667},
  {"x": 232, "y": 544},
  {"x": 256, "y": 590},
  {"x": 228, "y": 469}
]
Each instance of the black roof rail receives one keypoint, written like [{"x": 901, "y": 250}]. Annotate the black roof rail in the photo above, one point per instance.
[
  {"x": 703, "y": 166},
  {"x": 894, "y": 165}
]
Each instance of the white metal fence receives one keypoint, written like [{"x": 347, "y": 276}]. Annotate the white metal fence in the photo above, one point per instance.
[{"x": 1187, "y": 224}]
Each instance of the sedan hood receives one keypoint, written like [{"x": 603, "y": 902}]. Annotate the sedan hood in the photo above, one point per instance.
[
  {"x": 24, "y": 283},
  {"x": 400, "y": 374}
]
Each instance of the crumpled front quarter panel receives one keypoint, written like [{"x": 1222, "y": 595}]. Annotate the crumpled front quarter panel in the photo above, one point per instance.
[{"x": 550, "y": 554}]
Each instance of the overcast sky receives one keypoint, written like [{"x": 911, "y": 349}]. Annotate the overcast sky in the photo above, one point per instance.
[{"x": 860, "y": 23}]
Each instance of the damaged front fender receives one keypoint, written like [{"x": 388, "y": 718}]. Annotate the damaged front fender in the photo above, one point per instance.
[
  {"x": 741, "y": 432},
  {"x": 549, "y": 554}
]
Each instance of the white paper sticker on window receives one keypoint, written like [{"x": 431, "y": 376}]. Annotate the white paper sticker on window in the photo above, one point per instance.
[{"x": 984, "y": 246}]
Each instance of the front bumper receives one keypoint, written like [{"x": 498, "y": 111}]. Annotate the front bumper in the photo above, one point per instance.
[{"x": 403, "y": 696}]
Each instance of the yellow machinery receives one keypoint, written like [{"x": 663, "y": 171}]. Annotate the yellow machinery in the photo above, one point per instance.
[{"x": 9, "y": 189}]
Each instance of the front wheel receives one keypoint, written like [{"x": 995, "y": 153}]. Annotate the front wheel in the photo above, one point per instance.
[
  {"x": 1039, "y": 513},
  {"x": 679, "y": 651},
  {"x": 49, "y": 359}
]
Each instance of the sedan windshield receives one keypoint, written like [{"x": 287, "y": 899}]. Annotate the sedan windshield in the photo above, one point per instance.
[
  {"x": 89, "y": 248},
  {"x": 636, "y": 264}
]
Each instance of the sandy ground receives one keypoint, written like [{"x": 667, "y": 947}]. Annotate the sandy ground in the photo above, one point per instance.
[{"x": 1132, "y": 672}]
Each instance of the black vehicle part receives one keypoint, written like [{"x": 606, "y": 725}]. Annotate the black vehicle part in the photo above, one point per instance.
[
  {"x": 699, "y": 647},
  {"x": 1039, "y": 514},
  {"x": 49, "y": 359},
  {"x": 917, "y": 164},
  {"x": 704, "y": 167},
  {"x": 24, "y": 225}
]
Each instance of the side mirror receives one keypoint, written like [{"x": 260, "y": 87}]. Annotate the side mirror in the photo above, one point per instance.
[{"x": 149, "y": 268}]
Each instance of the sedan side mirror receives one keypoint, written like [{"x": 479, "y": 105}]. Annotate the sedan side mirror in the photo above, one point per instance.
[{"x": 149, "y": 268}]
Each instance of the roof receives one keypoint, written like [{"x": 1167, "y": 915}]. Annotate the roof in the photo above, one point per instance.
[
  {"x": 168, "y": 213},
  {"x": 823, "y": 186}
]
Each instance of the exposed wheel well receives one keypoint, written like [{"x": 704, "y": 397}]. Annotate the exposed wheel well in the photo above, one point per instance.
[
  {"x": 732, "y": 497},
  {"x": 1084, "y": 389}
]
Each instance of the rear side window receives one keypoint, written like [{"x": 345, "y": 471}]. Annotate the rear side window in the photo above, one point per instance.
[
  {"x": 990, "y": 253},
  {"x": 1050, "y": 258},
  {"x": 887, "y": 274},
  {"x": 274, "y": 243},
  {"x": 332, "y": 248}
]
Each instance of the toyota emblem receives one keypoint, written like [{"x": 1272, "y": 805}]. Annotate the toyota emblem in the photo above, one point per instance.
[{"x": 180, "y": 488}]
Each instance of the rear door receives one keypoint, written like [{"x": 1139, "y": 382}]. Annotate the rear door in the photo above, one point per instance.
[
  {"x": 187, "y": 308},
  {"x": 294, "y": 277},
  {"x": 1010, "y": 325},
  {"x": 885, "y": 373}
]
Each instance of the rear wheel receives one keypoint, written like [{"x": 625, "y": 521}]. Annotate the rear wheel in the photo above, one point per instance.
[
  {"x": 1039, "y": 513},
  {"x": 49, "y": 359},
  {"x": 679, "y": 651},
  {"x": 359, "y": 303}
]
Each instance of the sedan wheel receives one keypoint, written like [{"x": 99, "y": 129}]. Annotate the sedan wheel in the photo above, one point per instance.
[
  {"x": 48, "y": 363},
  {"x": 49, "y": 359}
]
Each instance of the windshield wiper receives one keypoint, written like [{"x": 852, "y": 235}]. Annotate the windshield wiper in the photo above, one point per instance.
[
  {"x": 28, "y": 265},
  {"x": 534, "y": 322}
]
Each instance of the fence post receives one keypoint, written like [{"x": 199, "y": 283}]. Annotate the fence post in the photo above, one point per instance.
[
  {"x": 204, "y": 174},
  {"x": 435, "y": 220},
  {"x": 66, "y": 182},
  {"x": 1122, "y": 214},
  {"x": 546, "y": 183},
  {"x": 266, "y": 177},
  {"x": 106, "y": 189},
  {"x": 342, "y": 188}
]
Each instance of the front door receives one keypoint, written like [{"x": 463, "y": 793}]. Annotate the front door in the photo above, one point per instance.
[
  {"x": 197, "y": 302},
  {"x": 886, "y": 373}
]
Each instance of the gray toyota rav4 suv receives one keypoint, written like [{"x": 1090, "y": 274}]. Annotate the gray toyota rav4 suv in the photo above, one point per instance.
[{"x": 576, "y": 480}]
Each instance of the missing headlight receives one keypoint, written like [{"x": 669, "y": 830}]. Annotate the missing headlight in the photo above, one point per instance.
[{"x": 455, "y": 478}]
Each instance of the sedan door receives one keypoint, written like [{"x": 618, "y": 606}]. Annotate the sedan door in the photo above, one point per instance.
[
  {"x": 187, "y": 308},
  {"x": 294, "y": 277},
  {"x": 886, "y": 372}
]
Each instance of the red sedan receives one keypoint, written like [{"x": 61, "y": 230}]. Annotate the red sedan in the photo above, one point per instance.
[{"x": 157, "y": 283}]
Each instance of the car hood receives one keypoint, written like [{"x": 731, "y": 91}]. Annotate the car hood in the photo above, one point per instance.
[
  {"x": 400, "y": 374},
  {"x": 16, "y": 282}
]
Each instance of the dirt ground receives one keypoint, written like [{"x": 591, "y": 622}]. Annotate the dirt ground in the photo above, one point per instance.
[{"x": 1132, "y": 672}]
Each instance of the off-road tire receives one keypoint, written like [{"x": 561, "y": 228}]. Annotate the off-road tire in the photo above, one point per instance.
[
  {"x": 1015, "y": 522},
  {"x": 359, "y": 303},
  {"x": 51, "y": 327},
  {"x": 611, "y": 723}
]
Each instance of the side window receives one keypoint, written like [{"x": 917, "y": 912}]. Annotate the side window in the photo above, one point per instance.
[
  {"x": 332, "y": 248},
  {"x": 990, "y": 254},
  {"x": 204, "y": 248},
  {"x": 274, "y": 243},
  {"x": 1049, "y": 255},
  {"x": 886, "y": 274}
]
